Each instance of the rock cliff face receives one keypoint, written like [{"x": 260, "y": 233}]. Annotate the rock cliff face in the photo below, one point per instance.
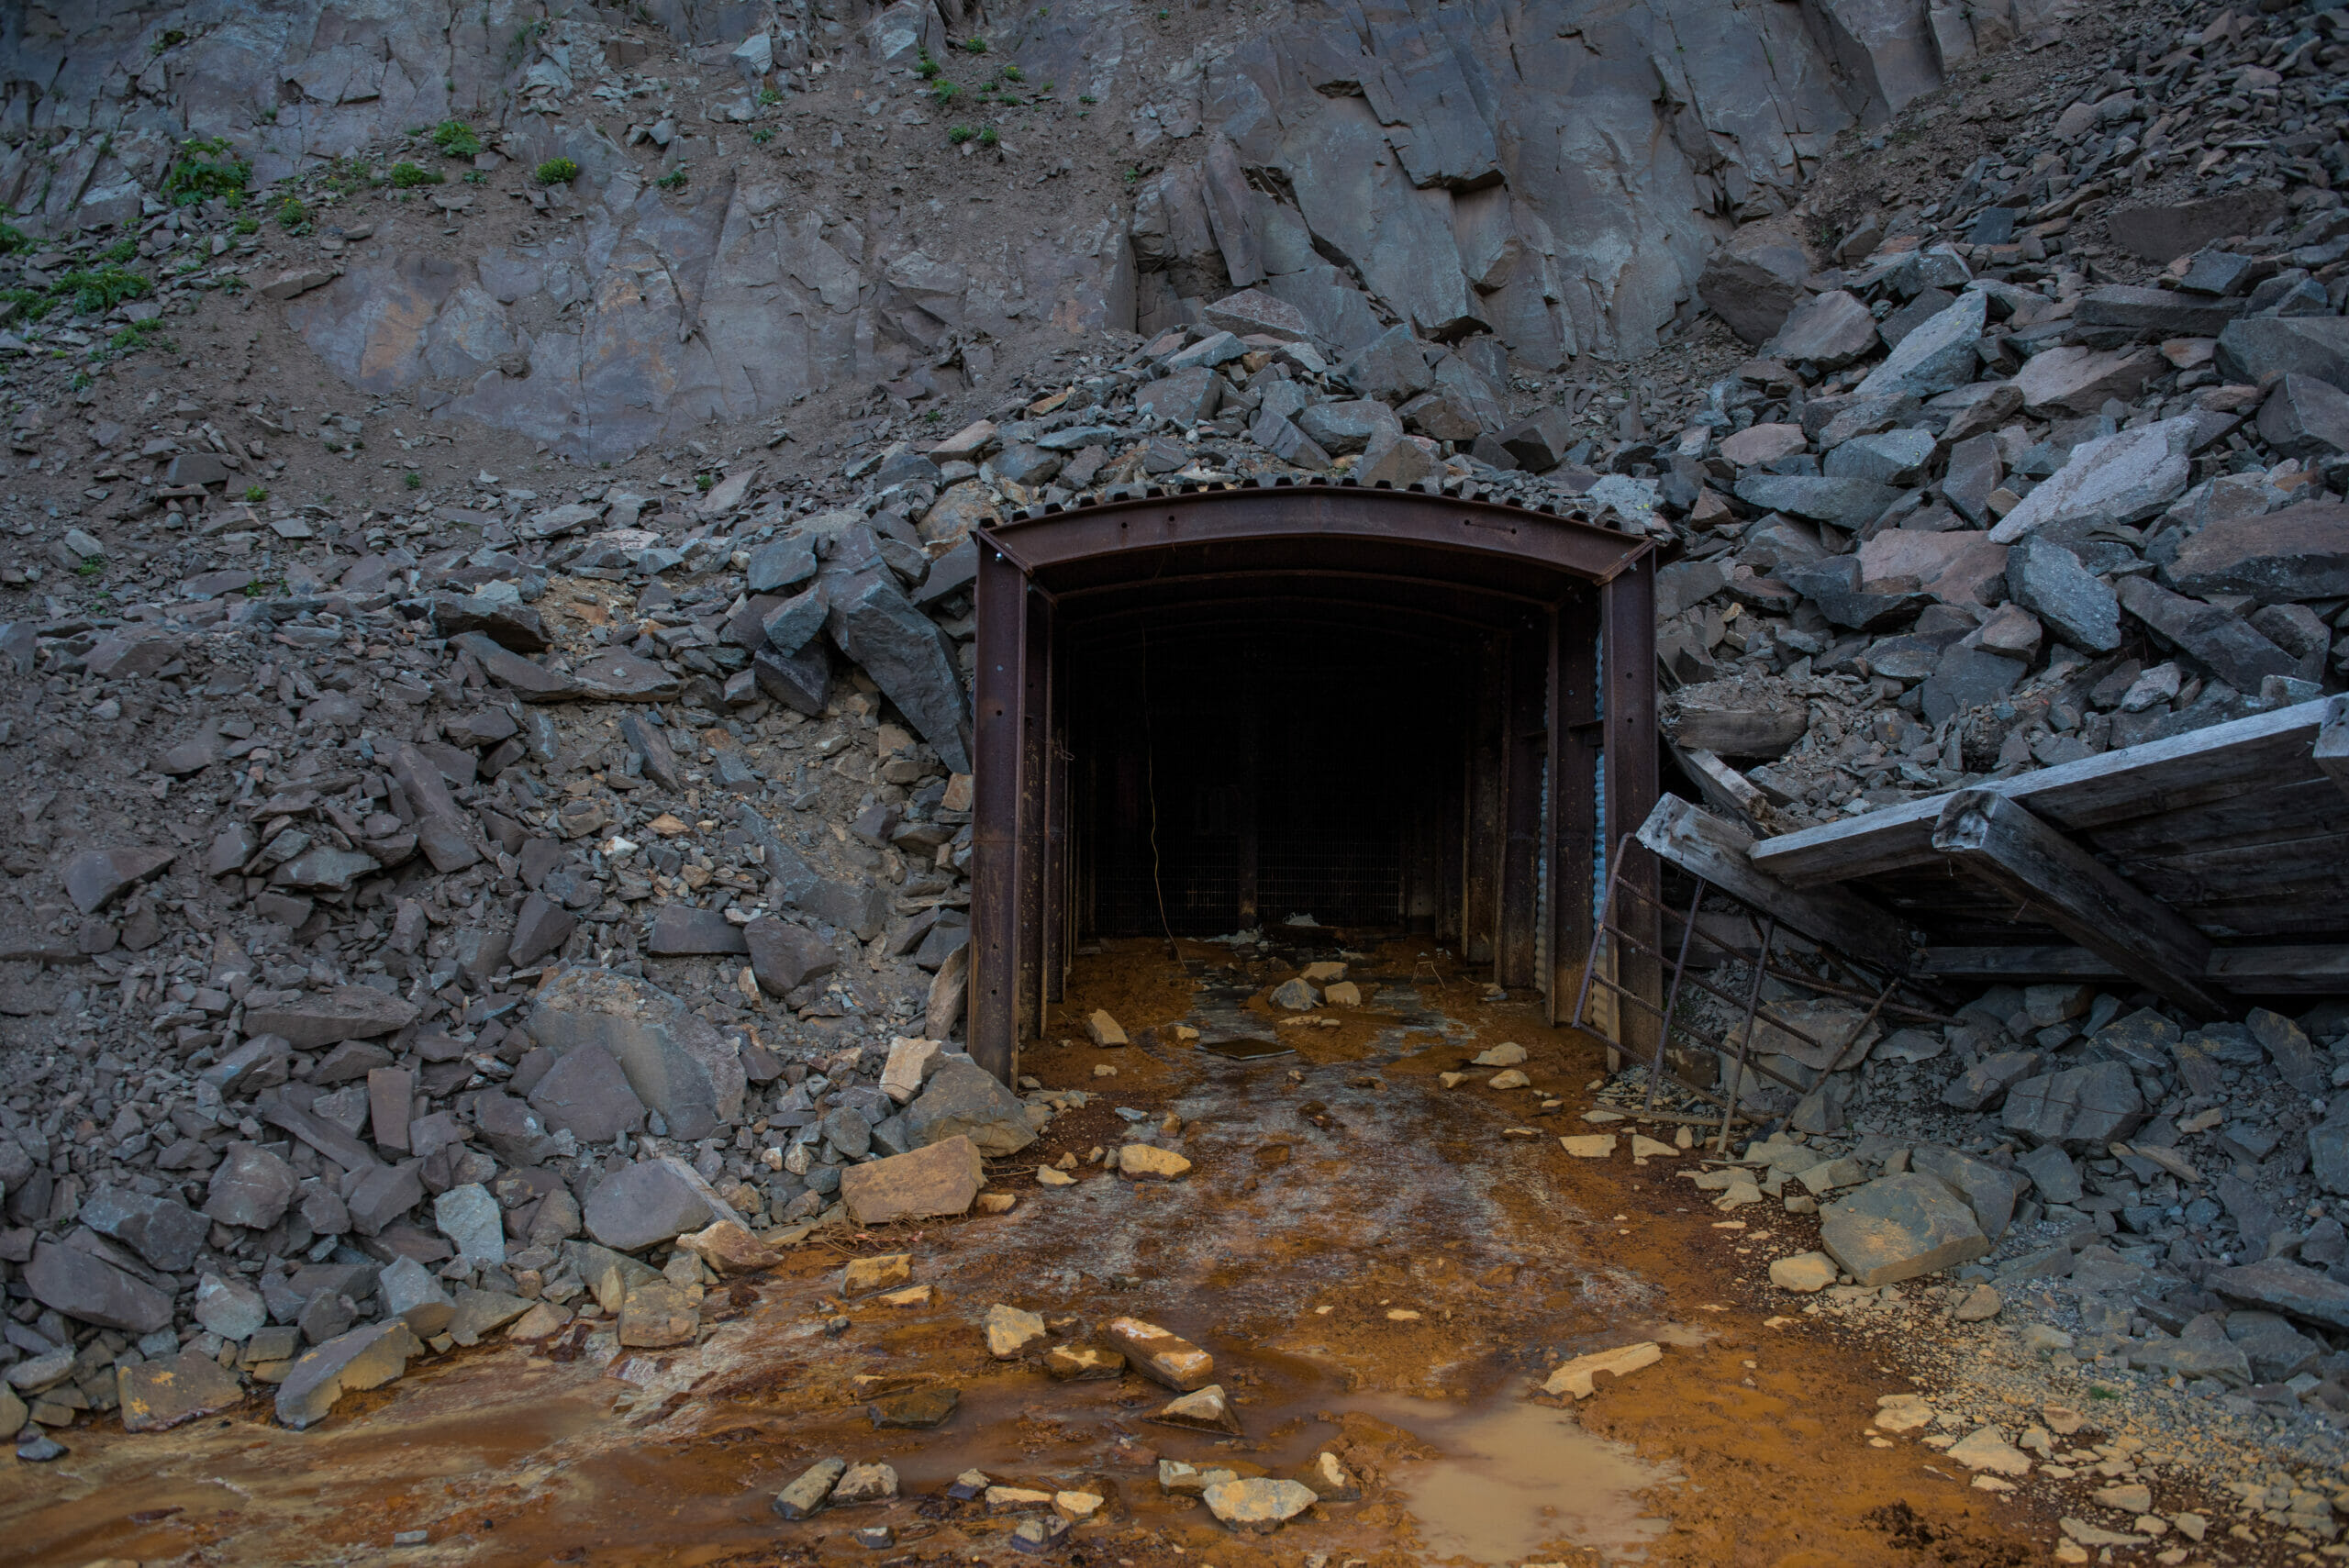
[{"x": 788, "y": 216}]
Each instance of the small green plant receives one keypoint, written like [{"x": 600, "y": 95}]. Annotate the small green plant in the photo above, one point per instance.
[
  {"x": 136, "y": 336},
  {"x": 232, "y": 285},
  {"x": 120, "y": 250},
  {"x": 1086, "y": 98},
  {"x": 959, "y": 134},
  {"x": 769, "y": 96},
  {"x": 205, "y": 168},
  {"x": 556, "y": 172},
  {"x": 703, "y": 482},
  {"x": 291, "y": 213},
  {"x": 674, "y": 179},
  {"x": 268, "y": 115},
  {"x": 762, "y": 136},
  {"x": 1133, "y": 174},
  {"x": 256, "y": 494},
  {"x": 96, "y": 290},
  {"x": 247, "y": 225},
  {"x": 91, "y": 566},
  {"x": 944, "y": 90},
  {"x": 975, "y": 46},
  {"x": 406, "y": 175},
  {"x": 12, "y": 240},
  {"x": 256, "y": 590},
  {"x": 345, "y": 176},
  {"x": 455, "y": 139},
  {"x": 987, "y": 138},
  {"x": 413, "y": 480},
  {"x": 1013, "y": 73},
  {"x": 1163, "y": 14},
  {"x": 31, "y": 304},
  {"x": 926, "y": 67},
  {"x": 475, "y": 177},
  {"x": 83, "y": 380}
]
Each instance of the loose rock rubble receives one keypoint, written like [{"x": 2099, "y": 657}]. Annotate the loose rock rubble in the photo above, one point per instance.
[{"x": 513, "y": 903}]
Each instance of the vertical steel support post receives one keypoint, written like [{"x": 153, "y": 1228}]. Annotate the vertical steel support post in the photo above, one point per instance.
[
  {"x": 992, "y": 1017},
  {"x": 1627, "y": 610},
  {"x": 1574, "y": 791}
]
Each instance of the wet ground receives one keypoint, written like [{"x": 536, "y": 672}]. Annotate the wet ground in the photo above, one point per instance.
[{"x": 1383, "y": 1268}]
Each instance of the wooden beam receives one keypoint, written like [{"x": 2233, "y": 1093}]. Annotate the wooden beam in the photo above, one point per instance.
[
  {"x": 2253, "y": 970},
  {"x": 2136, "y": 781},
  {"x": 1706, "y": 847},
  {"x": 2022, "y": 965},
  {"x": 1995, "y": 840},
  {"x": 1725, "y": 789}
]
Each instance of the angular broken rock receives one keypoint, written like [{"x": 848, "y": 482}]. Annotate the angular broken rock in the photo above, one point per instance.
[
  {"x": 1986, "y": 1449},
  {"x": 2121, "y": 478},
  {"x": 1204, "y": 1410},
  {"x": 365, "y": 1358},
  {"x": 587, "y": 1094},
  {"x": 786, "y": 955},
  {"x": 810, "y": 1491},
  {"x": 1258, "y": 1504},
  {"x": 1804, "y": 1274},
  {"x": 963, "y": 1100},
  {"x": 657, "y": 1315},
  {"x": 644, "y": 1205},
  {"x": 1899, "y": 1227},
  {"x": 867, "y": 1276},
  {"x": 166, "y": 1233},
  {"x": 411, "y": 1295},
  {"x": 865, "y": 1483},
  {"x": 95, "y": 877},
  {"x": 1576, "y": 1377},
  {"x": 1010, "y": 1330},
  {"x": 909, "y": 1064},
  {"x": 322, "y": 1018},
  {"x": 2080, "y": 1107},
  {"x": 2298, "y": 553},
  {"x": 1168, "y": 1358},
  {"x": 1148, "y": 1162},
  {"x": 157, "y": 1396},
  {"x": 675, "y": 1061},
  {"x": 230, "y": 1307},
  {"x": 941, "y": 1178},
  {"x": 2282, "y": 1285},
  {"x": 1083, "y": 1364},
  {"x": 731, "y": 1248}
]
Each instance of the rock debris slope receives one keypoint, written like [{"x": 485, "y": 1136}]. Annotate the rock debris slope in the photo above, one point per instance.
[{"x": 444, "y": 878}]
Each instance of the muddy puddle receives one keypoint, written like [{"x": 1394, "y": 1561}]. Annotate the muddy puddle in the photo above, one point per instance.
[{"x": 1519, "y": 1480}]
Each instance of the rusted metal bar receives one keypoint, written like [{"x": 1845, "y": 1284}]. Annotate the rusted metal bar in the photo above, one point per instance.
[{"x": 992, "y": 1015}]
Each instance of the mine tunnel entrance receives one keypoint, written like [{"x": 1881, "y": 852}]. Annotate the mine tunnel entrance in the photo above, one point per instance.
[
  {"x": 1241, "y": 767},
  {"x": 1200, "y": 712}
]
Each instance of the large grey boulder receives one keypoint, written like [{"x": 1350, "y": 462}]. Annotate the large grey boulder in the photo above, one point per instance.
[
  {"x": 2297, "y": 555},
  {"x": 677, "y": 1063},
  {"x": 352, "y": 1363},
  {"x": 88, "y": 1289},
  {"x": 1831, "y": 330},
  {"x": 586, "y": 1093},
  {"x": 2287, "y": 1287},
  {"x": 1900, "y": 1227},
  {"x": 2317, "y": 346},
  {"x": 2080, "y": 1107},
  {"x": 1755, "y": 279},
  {"x": 156, "y": 1396},
  {"x": 251, "y": 1187},
  {"x": 911, "y": 660},
  {"x": 166, "y": 1233},
  {"x": 1936, "y": 356},
  {"x": 2121, "y": 478},
  {"x": 2049, "y": 580},
  {"x": 1988, "y": 1191},
  {"x": 645, "y": 1205},
  {"x": 964, "y": 1100}
]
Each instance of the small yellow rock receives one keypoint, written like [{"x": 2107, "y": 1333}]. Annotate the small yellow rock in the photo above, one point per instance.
[
  {"x": 1589, "y": 1145},
  {"x": 1148, "y": 1160},
  {"x": 1513, "y": 1078},
  {"x": 1047, "y": 1177}
]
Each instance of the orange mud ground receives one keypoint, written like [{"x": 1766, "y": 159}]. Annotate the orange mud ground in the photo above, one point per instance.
[{"x": 1329, "y": 1189}]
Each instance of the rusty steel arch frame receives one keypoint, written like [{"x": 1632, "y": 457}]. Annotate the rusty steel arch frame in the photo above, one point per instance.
[{"x": 1563, "y": 601}]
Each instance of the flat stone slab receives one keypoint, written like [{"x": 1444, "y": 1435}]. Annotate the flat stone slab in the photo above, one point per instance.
[
  {"x": 1168, "y": 1358},
  {"x": 157, "y": 1396},
  {"x": 1898, "y": 1228},
  {"x": 1576, "y": 1376},
  {"x": 365, "y": 1358},
  {"x": 943, "y": 1178}
]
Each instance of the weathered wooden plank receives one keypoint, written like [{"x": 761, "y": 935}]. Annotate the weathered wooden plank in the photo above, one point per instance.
[
  {"x": 1725, "y": 789},
  {"x": 2274, "y": 969},
  {"x": 2316, "y": 970},
  {"x": 2022, "y": 965},
  {"x": 1997, "y": 839},
  {"x": 1706, "y": 847},
  {"x": 2299, "y": 808},
  {"x": 2136, "y": 781}
]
